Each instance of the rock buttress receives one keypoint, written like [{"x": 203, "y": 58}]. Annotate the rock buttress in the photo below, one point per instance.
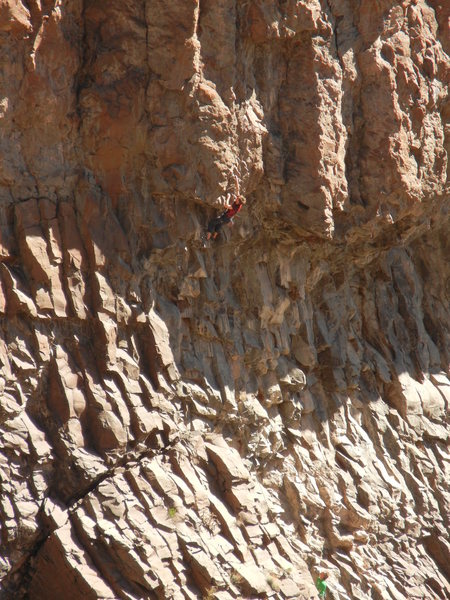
[{"x": 229, "y": 421}]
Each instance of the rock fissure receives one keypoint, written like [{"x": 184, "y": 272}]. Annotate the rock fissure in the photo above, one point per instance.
[
  {"x": 335, "y": 26},
  {"x": 71, "y": 504},
  {"x": 126, "y": 460}
]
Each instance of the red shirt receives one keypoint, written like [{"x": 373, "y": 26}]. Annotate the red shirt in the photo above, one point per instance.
[{"x": 235, "y": 208}]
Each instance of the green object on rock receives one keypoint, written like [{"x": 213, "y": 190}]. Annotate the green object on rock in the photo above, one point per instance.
[{"x": 322, "y": 587}]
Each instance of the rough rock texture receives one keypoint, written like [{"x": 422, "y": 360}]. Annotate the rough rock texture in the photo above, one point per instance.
[{"x": 224, "y": 422}]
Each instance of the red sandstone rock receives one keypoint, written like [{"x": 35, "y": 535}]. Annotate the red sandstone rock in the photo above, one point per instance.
[{"x": 186, "y": 422}]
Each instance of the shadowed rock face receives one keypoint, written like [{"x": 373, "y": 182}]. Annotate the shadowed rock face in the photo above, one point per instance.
[{"x": 224, "y": 422}]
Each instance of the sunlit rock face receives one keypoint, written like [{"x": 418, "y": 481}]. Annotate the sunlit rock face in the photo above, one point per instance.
[{"x": 225, "y": 420}]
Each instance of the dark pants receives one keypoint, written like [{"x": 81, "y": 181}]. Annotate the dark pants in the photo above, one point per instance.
[{"x": 215, "y": 224}]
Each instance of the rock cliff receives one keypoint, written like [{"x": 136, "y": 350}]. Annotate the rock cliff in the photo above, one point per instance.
[{"x": 227, "y": 421}]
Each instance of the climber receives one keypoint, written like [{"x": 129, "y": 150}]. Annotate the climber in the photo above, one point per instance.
[
  {"x": 215, "y": 224},
  {"x": 321, "y": 584}
]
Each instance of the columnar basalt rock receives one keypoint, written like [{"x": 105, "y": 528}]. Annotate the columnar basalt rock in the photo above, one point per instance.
[{"x": 224, "y": 421}]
